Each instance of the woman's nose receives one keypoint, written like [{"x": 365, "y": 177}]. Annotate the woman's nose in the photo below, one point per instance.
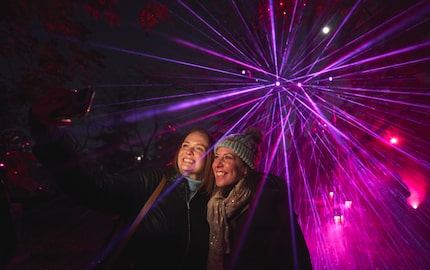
[{"x": 218, "y": 162}]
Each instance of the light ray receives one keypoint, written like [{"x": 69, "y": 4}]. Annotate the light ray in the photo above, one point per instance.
[{"x": 328, "y": 137}]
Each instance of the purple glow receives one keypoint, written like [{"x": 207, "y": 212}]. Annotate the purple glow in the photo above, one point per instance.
[{"x": 328, "y": 140}]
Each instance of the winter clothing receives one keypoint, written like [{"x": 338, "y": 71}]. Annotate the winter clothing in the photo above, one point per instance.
[
  {"x": 252, "y": 223},
  {"x": 220, "y": 211},
  {"x": 254, "y": 227},
  {"x": 175, "y": 230},
  {"x": 244, "y": 145}
]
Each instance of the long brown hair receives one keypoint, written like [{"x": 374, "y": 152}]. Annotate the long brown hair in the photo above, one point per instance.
[{"x": 208, "y": 180}]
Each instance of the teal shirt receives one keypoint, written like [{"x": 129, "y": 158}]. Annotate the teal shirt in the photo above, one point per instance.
[{"x": 193, "y": 184}]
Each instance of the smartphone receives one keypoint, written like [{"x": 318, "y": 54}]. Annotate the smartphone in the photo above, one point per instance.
[{"x": 78, "y": 104}]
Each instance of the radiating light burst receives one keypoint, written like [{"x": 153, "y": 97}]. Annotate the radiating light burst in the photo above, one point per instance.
[{"x": 326, "y": 104}]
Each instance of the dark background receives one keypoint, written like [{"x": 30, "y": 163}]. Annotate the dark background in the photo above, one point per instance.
[{"x": 162, "y": 67}]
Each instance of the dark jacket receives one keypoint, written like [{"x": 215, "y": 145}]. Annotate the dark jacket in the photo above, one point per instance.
[
  {"x": 173, "y": 235},
  {"x": 267, "y": 235}
]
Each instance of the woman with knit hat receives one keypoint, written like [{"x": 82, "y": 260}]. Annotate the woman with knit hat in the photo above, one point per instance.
[{"x": 252, "y": 225}]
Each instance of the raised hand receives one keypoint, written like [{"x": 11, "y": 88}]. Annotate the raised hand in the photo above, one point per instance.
[{"x": 58, "y": 107}]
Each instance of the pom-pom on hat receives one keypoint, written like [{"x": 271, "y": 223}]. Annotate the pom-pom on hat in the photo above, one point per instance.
[{"x": 245, "y": 145}]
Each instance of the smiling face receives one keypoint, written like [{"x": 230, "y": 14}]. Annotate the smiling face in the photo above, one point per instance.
[
  {"x": 191, "y": 158},
  {"x": 228, "y": 168}
]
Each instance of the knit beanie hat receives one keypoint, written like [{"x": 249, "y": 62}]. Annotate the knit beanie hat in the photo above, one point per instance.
[{"x": 245, "y": 145}]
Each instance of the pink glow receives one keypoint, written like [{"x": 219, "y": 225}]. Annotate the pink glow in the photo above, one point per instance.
[{"x": 332, "y": 140}]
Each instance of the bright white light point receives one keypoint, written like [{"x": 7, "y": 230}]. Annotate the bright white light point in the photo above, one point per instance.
[
  {"x": 326, "y": 29},
  {"x": 299, "y": 84},
  {"x": 348, "y": 204},
  {"x": 243, "y": 71},
  {"x": 394, "y": 140},
  {"x": 277, "y": 83},
  {"x": 330, "y": 78}
]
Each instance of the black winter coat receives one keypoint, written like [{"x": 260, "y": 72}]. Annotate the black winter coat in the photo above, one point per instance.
[
  {"x": 173, "y": 235},
  {"x": 267, "y": 235}
]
